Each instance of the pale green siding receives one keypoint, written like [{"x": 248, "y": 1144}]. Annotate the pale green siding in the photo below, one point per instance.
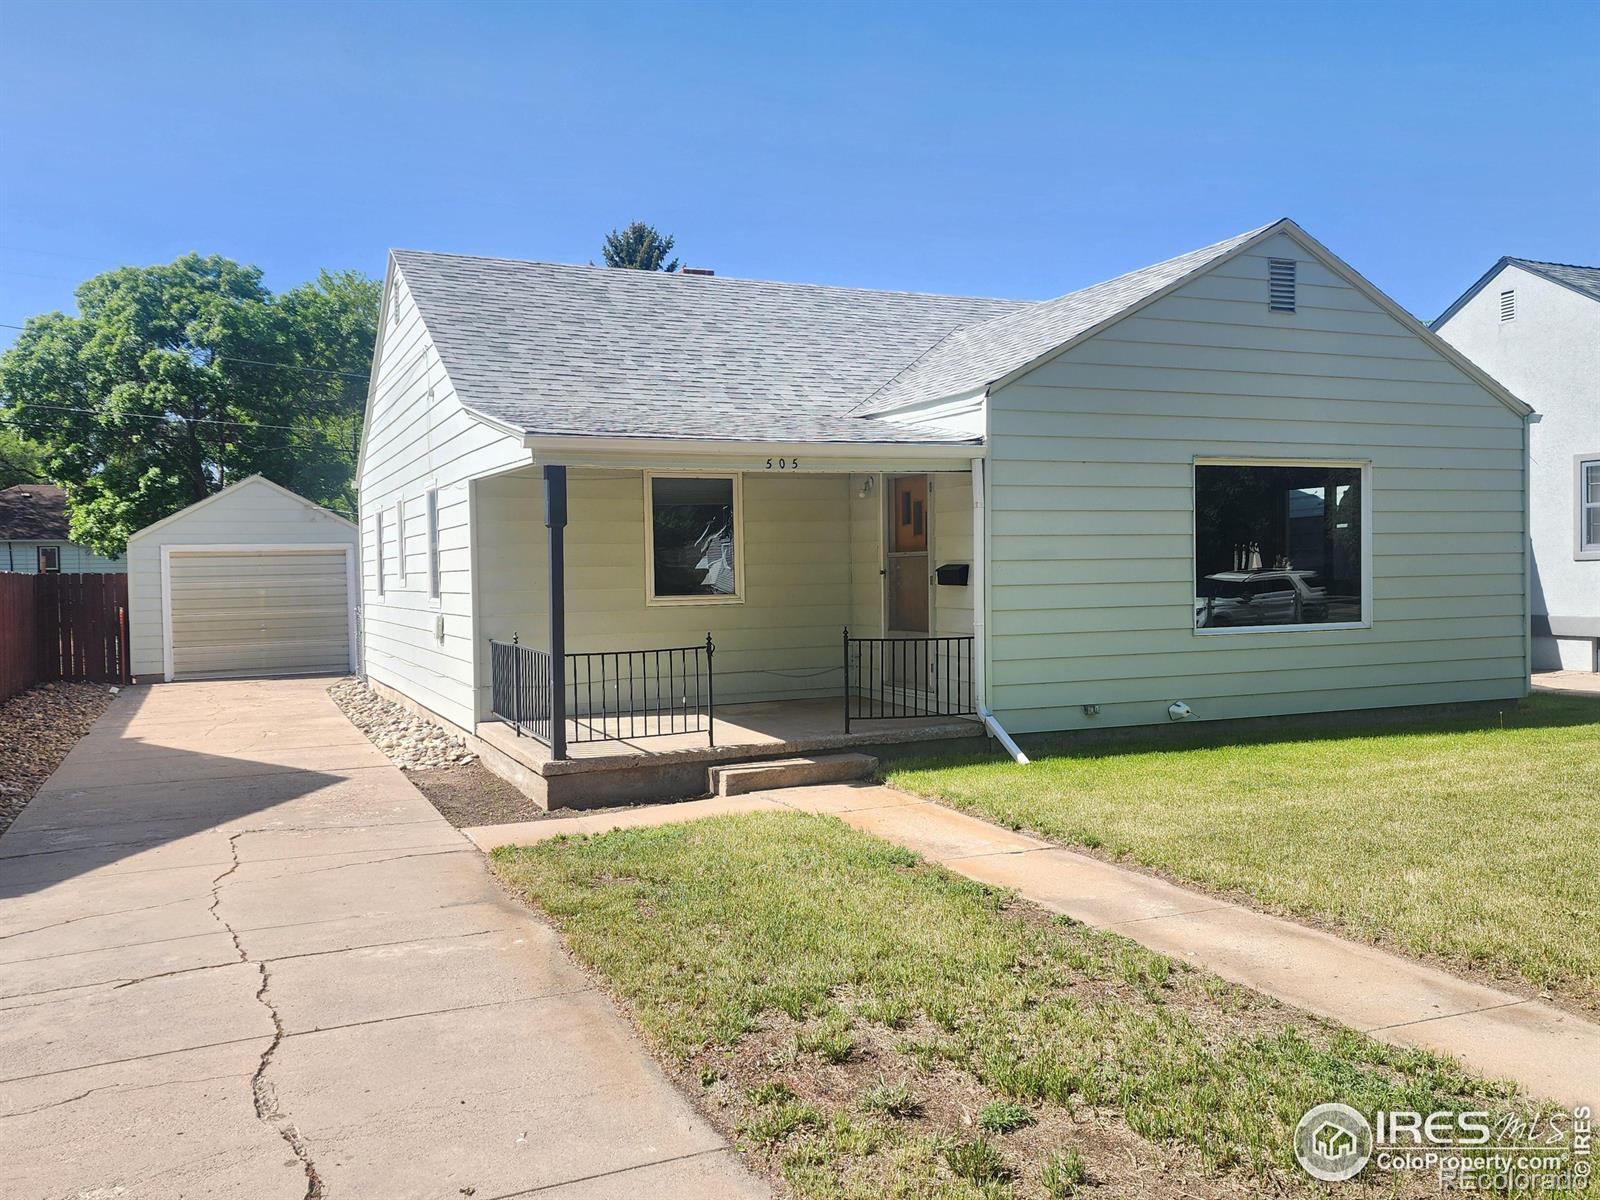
[{"x": 1091, "y": 509}]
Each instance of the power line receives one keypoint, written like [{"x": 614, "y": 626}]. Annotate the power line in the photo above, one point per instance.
[
  {"x": 104, "y": 412},
  {"x": 257, "y": 362}
]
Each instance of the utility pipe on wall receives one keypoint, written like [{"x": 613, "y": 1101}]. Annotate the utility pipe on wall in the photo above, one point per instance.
[{"x": 980, "y": 609}]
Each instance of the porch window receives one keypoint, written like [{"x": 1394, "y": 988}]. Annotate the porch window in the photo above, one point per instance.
[
  {"x": 692, "y": 539},
  {"x": 1279, "y": 545}
]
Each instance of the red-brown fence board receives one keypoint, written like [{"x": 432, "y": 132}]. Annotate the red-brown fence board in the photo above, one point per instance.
[{"x": 62, "y": 627}]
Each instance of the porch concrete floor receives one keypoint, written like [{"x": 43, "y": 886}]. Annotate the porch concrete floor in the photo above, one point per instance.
[{"x": 797, "y": 726}]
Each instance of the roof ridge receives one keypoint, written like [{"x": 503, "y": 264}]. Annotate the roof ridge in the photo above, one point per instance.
[
  {"x": 1545, "y": 262},
  {"x": 709, "y": 280}
]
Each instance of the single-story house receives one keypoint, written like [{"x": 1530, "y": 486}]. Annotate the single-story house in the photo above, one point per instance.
[
  {"x": 1535, "y": 326},
  {"x": 1241, "y": 482},
  {"x": 252, "y": 580},
  {"x": 34, "y": 532}
]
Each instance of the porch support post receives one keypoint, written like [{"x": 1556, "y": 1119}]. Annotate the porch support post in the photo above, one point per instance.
[{"x": 555, "y": 520}]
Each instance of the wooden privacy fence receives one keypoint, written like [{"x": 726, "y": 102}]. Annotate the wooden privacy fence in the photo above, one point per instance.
[{"x": 62, "y": 627}]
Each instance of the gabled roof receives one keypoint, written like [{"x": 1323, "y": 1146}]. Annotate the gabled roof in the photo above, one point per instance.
[
  {"x": 545, "y": 349},
  {"x": 1583, "y": 280},
  {"x": 976, "y": 356},
  {"x": 33, "y": 512},
  {"x": 233, "y": 489},
  {"x": 552, "y": 349}
]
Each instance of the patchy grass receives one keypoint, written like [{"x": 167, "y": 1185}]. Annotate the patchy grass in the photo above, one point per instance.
[
  {"x": 1472, "y": 834},
  {"x": 872, "y": 1025}
]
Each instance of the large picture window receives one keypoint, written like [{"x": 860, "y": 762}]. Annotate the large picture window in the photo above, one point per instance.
[
  {"x": 693, "y": 527},
  {"x": 1278, "y": 545}
]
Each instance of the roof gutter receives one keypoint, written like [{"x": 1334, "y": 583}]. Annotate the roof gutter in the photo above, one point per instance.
[{"x": 557, "y": 445}]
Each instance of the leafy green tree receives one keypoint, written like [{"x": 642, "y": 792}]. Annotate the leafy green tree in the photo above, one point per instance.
[
  {"x": 175, "y": 379},
  {"x": 20, "y": 460},
  {"x": 639, "y": 247}
]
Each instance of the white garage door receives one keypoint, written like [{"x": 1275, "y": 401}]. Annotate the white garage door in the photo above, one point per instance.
[{"x": 259, "y": 612}]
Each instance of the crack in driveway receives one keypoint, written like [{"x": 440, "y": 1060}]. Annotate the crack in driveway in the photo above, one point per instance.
[{"x": 262, "y": 1092}]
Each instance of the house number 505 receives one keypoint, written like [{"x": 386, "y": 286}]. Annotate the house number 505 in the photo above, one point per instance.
[{"x": 783, "y": 464}]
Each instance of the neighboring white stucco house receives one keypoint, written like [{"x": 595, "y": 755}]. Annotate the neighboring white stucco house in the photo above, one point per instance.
[
  {"x": 1228, "y": 485},
  {"x": 34, "y": 535},
  {"x": 1535, "y": 327}
]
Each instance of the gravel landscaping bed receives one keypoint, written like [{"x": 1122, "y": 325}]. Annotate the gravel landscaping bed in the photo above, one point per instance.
[
  {"x": 437, "y": 762},
  {"x": 37, "y": 729},
  {"x": 411, "y": 742}
]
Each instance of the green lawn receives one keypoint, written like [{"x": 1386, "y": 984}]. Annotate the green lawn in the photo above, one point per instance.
[
  {"x": 1470, "y": 834},
  {"x": 867, "y": 1025}
]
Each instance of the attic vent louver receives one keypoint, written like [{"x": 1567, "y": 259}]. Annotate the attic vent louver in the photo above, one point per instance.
[
  {"x": 1280, "y": 284},
  {"x": 1508, "y": 305}
]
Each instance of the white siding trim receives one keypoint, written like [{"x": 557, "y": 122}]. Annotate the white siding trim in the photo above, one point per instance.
[{"x": 351, "y": 585}]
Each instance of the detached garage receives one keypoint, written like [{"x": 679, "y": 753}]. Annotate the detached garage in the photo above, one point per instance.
[{"x": 254, "y": 580}]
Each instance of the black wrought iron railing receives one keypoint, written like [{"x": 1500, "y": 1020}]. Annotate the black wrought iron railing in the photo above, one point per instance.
[
  {"x": 889, "y": 678},
  {"x": 618, "y": 695},
  {"x": 609, "y": 695},
  {"x": 520, "y": 688}
]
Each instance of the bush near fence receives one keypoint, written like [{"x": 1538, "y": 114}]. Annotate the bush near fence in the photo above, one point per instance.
[{"x": 62, "y": 627}]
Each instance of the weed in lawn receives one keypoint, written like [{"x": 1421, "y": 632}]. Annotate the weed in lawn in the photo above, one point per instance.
[
  {"x": 773, "y": 1123},
  {"x": 977, "y": 1161},
  {"x": 774, "y": 1091},
  {"x": 1003, "y": 1116},
  {"x": 1063, "y": 1173},
  {"x": 890, "y": 1100}
]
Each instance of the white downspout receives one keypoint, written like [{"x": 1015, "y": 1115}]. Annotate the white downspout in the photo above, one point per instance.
[{"x": 980, "y": 609}]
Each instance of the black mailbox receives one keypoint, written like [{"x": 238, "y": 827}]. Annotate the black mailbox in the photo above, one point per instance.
[{"x": 953, "y": 574}]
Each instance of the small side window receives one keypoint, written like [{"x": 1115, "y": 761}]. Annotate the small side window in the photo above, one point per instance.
[
  {"x": 49, "y": 560},
  {"x": 433, "y": 543},
  {"x": 380, "y": 562},
  {"x": 400, "y": 541}
]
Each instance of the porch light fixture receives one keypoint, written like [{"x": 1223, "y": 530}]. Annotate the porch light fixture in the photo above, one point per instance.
[{"x": 866, "y": 488}]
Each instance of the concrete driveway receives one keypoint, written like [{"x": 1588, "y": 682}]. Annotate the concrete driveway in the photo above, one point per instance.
[{"x": 241, "y": 956}]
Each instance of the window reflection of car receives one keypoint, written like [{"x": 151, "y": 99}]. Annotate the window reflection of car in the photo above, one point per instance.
[{"x": 1274, "y": 597}]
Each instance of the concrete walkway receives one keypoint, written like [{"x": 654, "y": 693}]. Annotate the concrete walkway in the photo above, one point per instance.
[
  {"x": 241, "y": 956},
  {"x": 1572, "y": 683},
  {"x": 1551, "y": 1053}
]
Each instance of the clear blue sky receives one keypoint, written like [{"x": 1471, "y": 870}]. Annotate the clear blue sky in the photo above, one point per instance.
[{"x": 986, "y": 149}]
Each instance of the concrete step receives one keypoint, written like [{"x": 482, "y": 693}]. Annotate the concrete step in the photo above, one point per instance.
[{"x": 736, "y": 779}]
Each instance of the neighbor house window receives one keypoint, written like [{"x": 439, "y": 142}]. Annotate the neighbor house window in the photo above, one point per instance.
[
  {"x": 692, "y": 536},
  {"x": 1278, "y": 545},
  {"x": 1589, "y": 507},
  {"x": 378, "y": 523},
  {"x": 433, "y": 542},
  {"x": 49, "y": 560}
]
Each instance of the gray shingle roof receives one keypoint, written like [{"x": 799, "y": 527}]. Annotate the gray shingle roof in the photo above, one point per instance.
[
  {"x": 1579, "y": 279},
  {"x": 571, "y": 350},
  {"x": 1583, "y": 280},
  {"x": 556, "y": 349},
  {"x": 978, "y": 355},
  {"x": 33, "y": 512}
]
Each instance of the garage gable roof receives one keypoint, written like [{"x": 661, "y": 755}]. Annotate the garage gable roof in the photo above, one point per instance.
[
  {"x": 1583, "y": 280},
  {"x": 233, "y": 489}
]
